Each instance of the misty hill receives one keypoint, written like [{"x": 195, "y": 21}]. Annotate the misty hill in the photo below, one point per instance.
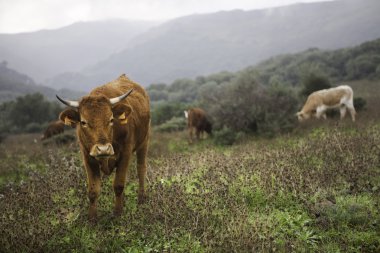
[
  {"x": 45, "y": 53},
  {"x": 202, "y": 44},
  {"x": 14, "y": 84},
  {"x": 284, "y": 71}
]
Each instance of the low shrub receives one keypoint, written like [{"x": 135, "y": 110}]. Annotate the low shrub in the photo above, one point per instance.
[
  {"x": 34, "y": 128},
  {"x": 226, "y": 136},
  {"x": 359, "y": 103},
  {"x": 172, "y": 125}
]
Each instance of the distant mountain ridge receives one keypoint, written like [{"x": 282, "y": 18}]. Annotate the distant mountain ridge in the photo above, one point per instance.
[
  {"x": 231, "y": 40},
  {"x": 14, "y": 84},
  {"x": 202, "y": 44},
  {"x": 46, "y": 53}
]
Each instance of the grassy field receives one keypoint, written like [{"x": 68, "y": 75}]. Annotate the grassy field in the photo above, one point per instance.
[{"x": 316, "y": 189}]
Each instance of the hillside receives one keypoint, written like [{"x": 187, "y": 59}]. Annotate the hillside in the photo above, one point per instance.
[
  {"x": 14, "y": 84},
  {"x": 347, "y": 64},
  {"x": 263, "y": 99},
  {"x": 46, "y": 53},
  {"x": 231, "y": 40}
]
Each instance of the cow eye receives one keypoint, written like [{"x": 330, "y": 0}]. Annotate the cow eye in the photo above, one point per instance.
[
  {"x": 83, "y": 123},
  {"x": 111, "y": 121}
]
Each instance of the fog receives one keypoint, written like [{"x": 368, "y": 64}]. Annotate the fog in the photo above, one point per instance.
[{"x": 24, "y": 15}]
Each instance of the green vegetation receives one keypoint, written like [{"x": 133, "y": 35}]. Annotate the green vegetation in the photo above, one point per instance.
[
  {"x": 313, "y": 82},
  {"x": 262, "y": 99},
  {"x": 317, "y": 191},
  {"x": 315, "y": 188},
  {"x": 29, "y": 113}
]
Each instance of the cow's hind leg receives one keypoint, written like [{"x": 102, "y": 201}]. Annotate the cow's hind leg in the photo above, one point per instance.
[
  {"x": 119, "y": 181},
  {"x": 351, "y": 108},
  {"x": 343, "y": 110},
  {"x": 141, "y": 171}
]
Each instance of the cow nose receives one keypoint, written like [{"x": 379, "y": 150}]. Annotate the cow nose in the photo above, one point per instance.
[{"x": 102, "y": 150}]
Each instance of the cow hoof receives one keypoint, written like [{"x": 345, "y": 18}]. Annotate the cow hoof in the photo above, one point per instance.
[
  {"x": 93, "y": 218},
  {"x": 92, "y": 215},
  {"x": 117, "y": 212},
  {"x": 141, "y": 199}
]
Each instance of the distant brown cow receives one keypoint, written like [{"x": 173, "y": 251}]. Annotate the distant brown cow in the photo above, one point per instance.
[
  {"x": 54, "y": 128},
  {"x": 110, "y": 128},
  {"x": 197, "y": 119}
]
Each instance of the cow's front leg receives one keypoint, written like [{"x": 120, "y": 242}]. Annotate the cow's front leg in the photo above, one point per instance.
[
  {"x": 191, "y": 134},
  {"x": 93, "y": 188},
  {"x": 119, "y": 182},
  {"x": 343, "y": 110},
  {"x": 320, "y": 112},
  {"x": 198, "y": 133}
]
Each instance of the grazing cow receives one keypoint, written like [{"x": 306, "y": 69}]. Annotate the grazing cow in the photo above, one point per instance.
[
  {"x": 319, "y": 101},
  {"x": 54, "y": 128},
  {"x": 197, "y": 118},
  {"x": 110, "y": 127}
]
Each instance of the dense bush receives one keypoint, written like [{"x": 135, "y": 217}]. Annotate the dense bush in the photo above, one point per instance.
[
  {"x": 61, "y": 139},
  {"x": 359, "y": 103},
  {"x": 29, "y": 113},
  {"x": 172, "y": 125},
  {"x": 314, "y": 82},
  {"x": 226, "y": 136},
  {"x": 166, "y": 111},
  {"x": 34, "y": 127},
  {"x": 244, "y": 105}
]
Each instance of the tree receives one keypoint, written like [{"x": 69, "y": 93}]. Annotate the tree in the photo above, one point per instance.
[
  {"x": 32, "y": 108},
  {"x": 314, "y": 82},
  {"x": 166, "y": 111},
  {"x": 246, "y": 106}
]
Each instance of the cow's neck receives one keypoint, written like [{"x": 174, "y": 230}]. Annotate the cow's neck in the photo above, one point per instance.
[{"x": 104, "y": 166}]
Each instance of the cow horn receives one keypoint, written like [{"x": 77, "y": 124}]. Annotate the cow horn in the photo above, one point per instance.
[
  {"x": 74, "y": 104},
  {"x": 120, "y": 98}
]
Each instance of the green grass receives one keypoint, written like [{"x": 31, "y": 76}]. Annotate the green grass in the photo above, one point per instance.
[{"x": 316, "y": 190}]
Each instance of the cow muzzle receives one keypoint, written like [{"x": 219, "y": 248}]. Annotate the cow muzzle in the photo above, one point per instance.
[{"x": 100, "y": 150}]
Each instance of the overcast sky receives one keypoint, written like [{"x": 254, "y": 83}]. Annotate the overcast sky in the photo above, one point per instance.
[{"x": 30, "y": 15}]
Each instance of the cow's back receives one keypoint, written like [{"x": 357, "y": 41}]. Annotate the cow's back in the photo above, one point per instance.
[
  {"x": 334, "y": 96},
  {"x": 196, "y": 117}
]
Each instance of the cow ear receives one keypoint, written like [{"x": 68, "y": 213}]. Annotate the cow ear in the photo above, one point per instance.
[
  {"x": 70, "y": 117},
  {"x": 121, "y": 112}
]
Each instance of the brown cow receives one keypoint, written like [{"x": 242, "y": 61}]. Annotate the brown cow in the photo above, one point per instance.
[
  {"x": 198, "y": 120},
  {"x": 110, "y": 128},
  {"x": 54, "y": 128}
]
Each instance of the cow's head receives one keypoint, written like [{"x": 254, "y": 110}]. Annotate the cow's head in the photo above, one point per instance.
[
  {"x": 302, "y": 116},
  {"x": 94, "y": 117}
]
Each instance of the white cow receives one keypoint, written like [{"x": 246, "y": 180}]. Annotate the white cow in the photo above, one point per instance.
[{"x": 319, "y": 101}]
